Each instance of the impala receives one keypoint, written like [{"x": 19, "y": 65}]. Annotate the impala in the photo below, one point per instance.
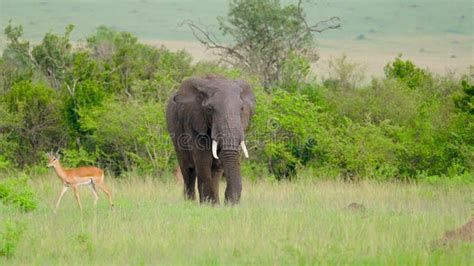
[{"x": 75, "y": 177}]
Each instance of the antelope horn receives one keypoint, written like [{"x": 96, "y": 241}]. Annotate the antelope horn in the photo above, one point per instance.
[
  {"x": 214, "y": 149},
  {"x": 244, "y": 148}
]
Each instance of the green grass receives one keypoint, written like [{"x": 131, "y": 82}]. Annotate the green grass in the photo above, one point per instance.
[{"x": 276, "y": 223}]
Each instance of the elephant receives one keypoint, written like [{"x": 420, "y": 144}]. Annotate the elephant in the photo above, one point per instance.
[{"x": 207, "y": 118}]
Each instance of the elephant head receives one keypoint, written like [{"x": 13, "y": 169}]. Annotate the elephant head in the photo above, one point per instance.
[{"x": 221, "y": 109}]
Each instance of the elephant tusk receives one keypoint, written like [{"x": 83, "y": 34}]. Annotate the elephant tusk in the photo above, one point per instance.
[
  {"x": 214, "y": 149},
  {"x": 244, "y": 148}
]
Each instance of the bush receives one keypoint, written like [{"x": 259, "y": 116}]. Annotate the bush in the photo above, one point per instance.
[
  {"x": 407, "y": 72},
  {"x": 359, "y": 150},
  {"x": 131, "y": 136},
  {"x": 295, "y": 71},
  {"x": 5, "y": 164},
  {"x": 17, "y": 192},
  {"x": 283, "y": 128},
  {"x": 126, "y": 61},
  {"x": 10, "y": 237},
  {"x": 78, "y": 157},
  {"x": 464, "y": 101},
  {"x": 15, "y": 64},
  {"x": 32, "y": 123},
  {"x": 53, "y": 57},
  {"x": 343, "y": 75}
]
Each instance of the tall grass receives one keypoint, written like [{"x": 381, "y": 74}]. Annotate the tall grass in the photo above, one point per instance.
[{"x": 276, "y": 223}]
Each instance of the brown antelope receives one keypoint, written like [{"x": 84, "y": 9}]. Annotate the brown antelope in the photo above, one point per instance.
[{"x": 74, "y": 177}]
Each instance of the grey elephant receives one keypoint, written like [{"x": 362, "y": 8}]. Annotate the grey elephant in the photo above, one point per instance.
[{"x": 207, "y": 118}]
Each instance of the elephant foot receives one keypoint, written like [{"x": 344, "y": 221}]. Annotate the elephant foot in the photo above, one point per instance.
[{"x": 209, "y": 200}]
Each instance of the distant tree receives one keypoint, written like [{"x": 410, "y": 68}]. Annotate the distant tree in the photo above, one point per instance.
[
  {"x": 264, "y": 36},
  {"x": 52, "y": 58},
  {"x": 344, "y": 74},
  {"x": 16, "y": 63},
  {"x": 125, "y": 62},
  {"x": 407, "y": 72}
]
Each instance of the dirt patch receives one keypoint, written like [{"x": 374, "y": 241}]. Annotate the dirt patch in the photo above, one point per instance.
[
  {"x": 355, "y": 207},
  {"x": 463, "y": 234}
]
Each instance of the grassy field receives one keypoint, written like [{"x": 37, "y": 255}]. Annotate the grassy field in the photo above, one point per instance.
[
  {"x": 276, "y": 223},
  {"x": 160, "y": 19},
  {"x": 436, "y": 35}
]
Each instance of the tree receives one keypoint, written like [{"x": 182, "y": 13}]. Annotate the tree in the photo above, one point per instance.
[
  {"x": 16, "y": 63},
  {"x": 30, "y": 122},
  {"x": 407, "y": 72},
  {"x": 52, "y": 58},
  {"x": 265, "y": 35}
]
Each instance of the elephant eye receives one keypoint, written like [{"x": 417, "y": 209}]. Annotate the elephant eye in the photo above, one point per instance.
[{"x": 209, "y": 108}]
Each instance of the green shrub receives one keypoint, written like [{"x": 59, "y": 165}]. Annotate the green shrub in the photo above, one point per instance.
[
  {"x": 15, "y": 64},
  {"x": 407, "y": 72},
  {"x": 10, "y": 237},
  {"x": 5, "y": 164},
  {"x": 359, "y": 150},
  {"x": 465, "y": 100},
  {"x": 53, "y": 57},
  {"x": 295, "y": 71},
  {"x": 131, "y": 136},
  {"x": 125, "y": 61},
  {"x": 78, "y": 157},
  {"x": 283, "y": 128},
  {"x": 32, "y": 124},
  {"x": 343, "y": 75},
  {"x": 87, "y": 95},
  {"x": 16, "y": 191},
  {"x": 427, "y": 137}
]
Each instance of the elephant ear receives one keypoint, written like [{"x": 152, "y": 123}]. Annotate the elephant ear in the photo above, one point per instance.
[
  {"x": 193, "y": 91},
  {"x": 191, "y": 95},
  {"x": 248, "y": 98}
]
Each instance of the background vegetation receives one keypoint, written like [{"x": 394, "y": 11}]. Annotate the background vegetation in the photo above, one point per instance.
[{"x": 102, "y": 102}]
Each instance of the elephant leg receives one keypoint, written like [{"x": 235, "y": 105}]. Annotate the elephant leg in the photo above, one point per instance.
[
  {"x": 216, "y": 174},
  {"x": 189, "y": 182},
  {"x": 205, "y": 182}
]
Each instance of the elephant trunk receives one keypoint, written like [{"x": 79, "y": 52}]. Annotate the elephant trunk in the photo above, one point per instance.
[{"x": 231, "y": 163}]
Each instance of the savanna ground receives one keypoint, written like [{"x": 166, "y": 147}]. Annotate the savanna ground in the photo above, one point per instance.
[{"x": 276, "y": 223}]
